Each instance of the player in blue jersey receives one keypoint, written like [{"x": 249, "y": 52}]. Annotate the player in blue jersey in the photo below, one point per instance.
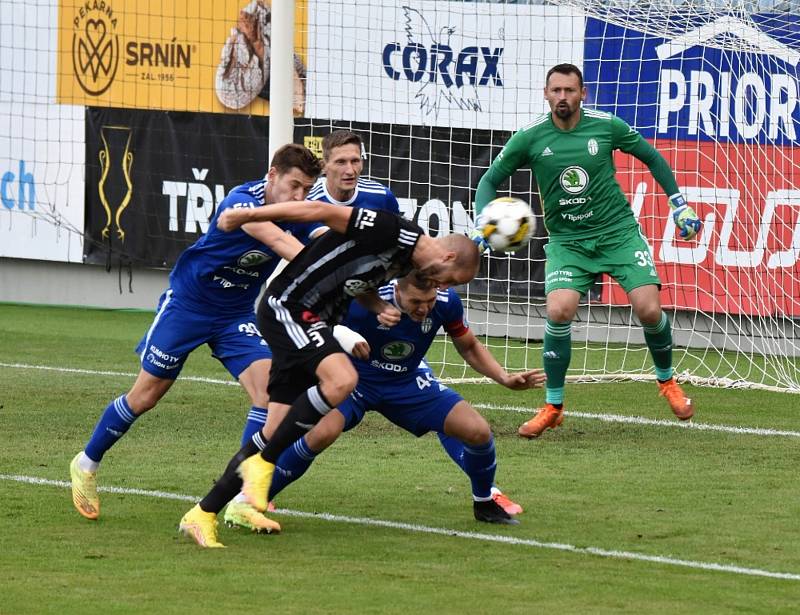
[
  {"x": 210, "y": 300},
  {"x": 342, "y": 184},
  {"x": 396, "y": 381},
  {"x": 310, "y": 372}
]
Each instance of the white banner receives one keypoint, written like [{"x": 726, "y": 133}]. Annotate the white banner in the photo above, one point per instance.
[
  {"x": 455, "y": 64},
  {"x": 42, "y": 150}
]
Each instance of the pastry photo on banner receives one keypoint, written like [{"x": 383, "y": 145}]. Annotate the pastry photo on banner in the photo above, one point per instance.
[{"x": 244, "y": 68}]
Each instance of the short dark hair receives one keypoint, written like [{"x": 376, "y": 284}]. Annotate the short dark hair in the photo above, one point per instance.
[
  {"x": 415, "y": 278},
  {"x": 565, "y": 69},
  {"x": 337, "y": 138},
  {"x": 294, "y": 156}
]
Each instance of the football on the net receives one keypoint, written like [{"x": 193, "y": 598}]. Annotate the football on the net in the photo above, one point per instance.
[{"x": 507, "y": 224}]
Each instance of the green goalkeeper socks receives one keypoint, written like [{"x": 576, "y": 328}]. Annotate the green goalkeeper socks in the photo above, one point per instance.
[
  {"x": 555, "y": 358},
  {"x": 659, "y": 341}
]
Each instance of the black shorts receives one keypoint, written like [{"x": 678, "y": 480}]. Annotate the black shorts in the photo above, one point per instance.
[{"x": 299, "y": 341}]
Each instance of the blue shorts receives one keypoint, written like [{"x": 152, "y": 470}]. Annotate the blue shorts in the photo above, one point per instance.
[
  {"x": 177, "y": 330},
  {"x": 418, "y": 405}
]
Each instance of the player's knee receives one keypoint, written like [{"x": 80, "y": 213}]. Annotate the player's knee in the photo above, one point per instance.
[
  {"x": 337, "y": 389},
  {"x": 560, "y": 313},
  {"x": 649, "y": 315},
  {"x": 476, "y": 432},
  {"x": 142, "y": 401},
  {"x": 322, "y": 436}
]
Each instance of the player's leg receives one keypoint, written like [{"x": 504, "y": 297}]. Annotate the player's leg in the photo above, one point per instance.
[
  {"x": 239, "y": 346},
  {"x": 336, "y": 379},
  {"x": 464, "y": 423},
  {"x": 163, "y": 351},
  {"x": 423, "y": 404},
  {"x": 658, "y": 336},
  {"x": 455, "y": 450},
  {"x": 295, "y": 460},
  {"x": 569, "y": 273},
  {"x": 200, "y": 523},
  {"x": 633, "y": 268},
  {"x": 254, "y": 380},
  {"x": 114, "y": 422},
  {"x": 562, "y": 303}
]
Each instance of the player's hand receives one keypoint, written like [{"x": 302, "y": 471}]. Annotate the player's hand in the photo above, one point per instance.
[
  {"x": 476, "y": 235},
  {"x": 532, "y": 379},
  {"x": 229, "y": 220},
  {"x": 360, "y": 350},
  {"x": 351, "y": 342},
  {"x": 389, "y": 315},
  {"x": 684, "y": 217}
]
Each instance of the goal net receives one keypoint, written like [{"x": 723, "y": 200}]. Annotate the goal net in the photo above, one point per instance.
[
  {"x": 123, "y": 125},
  {"x": 436, "y": 88}
]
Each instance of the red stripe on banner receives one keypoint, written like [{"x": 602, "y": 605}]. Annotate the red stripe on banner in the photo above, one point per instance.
[{"x": 747, "y": 258}]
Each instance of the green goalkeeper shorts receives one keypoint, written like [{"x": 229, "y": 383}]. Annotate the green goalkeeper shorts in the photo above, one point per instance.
[{"x": 576, "y": 263}]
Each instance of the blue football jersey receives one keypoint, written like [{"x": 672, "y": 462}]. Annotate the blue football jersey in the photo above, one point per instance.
[
  {"x": 397, "y": 351},
  {"x": 369, "y": 194},
  {"x": 227, "y": 270}
]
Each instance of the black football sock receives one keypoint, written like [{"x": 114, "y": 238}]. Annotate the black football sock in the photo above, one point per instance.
[
  {"x": 306, "y": 411},
  {"x": 229, "y": 484}
]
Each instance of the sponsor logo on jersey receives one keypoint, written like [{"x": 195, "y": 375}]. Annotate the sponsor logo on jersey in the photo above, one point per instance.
[
  {"x": 547, "y": 152},
  {"x": 225, "y": 283},
  {"x": 356, "y": 287},
  {"x": 577, "y": 200},
  {"x": 161, "y": 359},
  {"x": 577, "y": 217},
  {"x": 309, "y": 316},
  {"x": 253, "y": 258},
  {"x": 592, "y": 146},
  {"x": 574, "y": 179},
  {"x": 389, "y": 367},
  {"x": 397, "y": 350}
]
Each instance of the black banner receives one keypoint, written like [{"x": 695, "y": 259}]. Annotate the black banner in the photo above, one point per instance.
[{"x": 154, "y": 178}]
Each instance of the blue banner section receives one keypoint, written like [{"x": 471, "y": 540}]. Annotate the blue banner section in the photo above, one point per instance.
[{"x": 677, "y": 88}]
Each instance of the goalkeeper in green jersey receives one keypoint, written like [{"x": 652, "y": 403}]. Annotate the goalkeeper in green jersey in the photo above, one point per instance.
[{"x": 591, "y": 227}]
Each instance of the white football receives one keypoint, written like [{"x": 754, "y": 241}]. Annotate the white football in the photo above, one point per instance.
[{"x": 507, "y": 224}]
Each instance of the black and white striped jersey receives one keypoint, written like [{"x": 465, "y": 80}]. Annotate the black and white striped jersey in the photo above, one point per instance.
[{"x": 325, "y": 276}]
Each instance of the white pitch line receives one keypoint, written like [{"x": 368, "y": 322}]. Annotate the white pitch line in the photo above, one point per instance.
[
  {"x": 608, "y": 418},
  {"x": 640, "y": 420},
  {"x": 95, "y": 372},
  {"x": 411, "y": 527}
]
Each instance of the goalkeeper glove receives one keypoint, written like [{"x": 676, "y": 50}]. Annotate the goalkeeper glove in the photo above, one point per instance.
[
  {"x": 476, "y": 235},
  {"x": 684, "y": 217}
]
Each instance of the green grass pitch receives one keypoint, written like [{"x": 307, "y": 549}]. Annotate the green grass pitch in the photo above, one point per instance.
[{"x": 636, "y": 517}]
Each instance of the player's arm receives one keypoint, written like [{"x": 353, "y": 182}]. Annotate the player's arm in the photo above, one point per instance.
[
  {"x": 514, "y": 156},
  {"x": 630, "y": 141},
  {"x": 283, "y": 244},
  {"x": 335, "y": 217},
  {"x": 481, "y": 360},
  {"x": 387, "y": 313}
]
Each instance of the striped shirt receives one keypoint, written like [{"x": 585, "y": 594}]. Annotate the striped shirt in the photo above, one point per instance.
[{"x": 332, "y": 270}]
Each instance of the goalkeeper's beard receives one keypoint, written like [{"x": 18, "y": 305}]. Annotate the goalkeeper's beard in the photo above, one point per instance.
[{"x": 564, "y": 112}]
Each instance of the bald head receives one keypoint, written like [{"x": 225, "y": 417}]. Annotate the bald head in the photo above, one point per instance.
[
  {"x": 467, "y": 257},
  {"x": 446, "y": 261}
]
